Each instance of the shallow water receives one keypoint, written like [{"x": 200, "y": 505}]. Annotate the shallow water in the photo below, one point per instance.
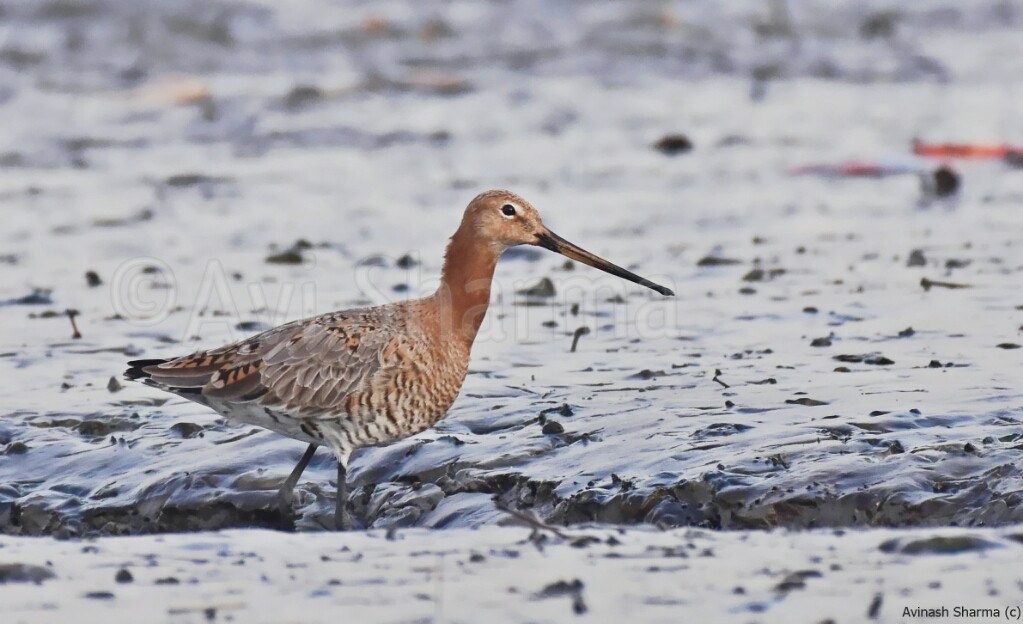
[{"x": 365, "y": 130}]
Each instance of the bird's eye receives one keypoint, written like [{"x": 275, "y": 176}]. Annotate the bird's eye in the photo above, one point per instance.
[{"x": 508, "y": 210}]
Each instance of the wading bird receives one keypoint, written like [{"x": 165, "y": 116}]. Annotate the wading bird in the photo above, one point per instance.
[{"x": 367, "y": 376}]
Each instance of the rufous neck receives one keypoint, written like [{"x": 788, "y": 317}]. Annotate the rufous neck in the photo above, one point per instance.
[{"x": 464, "y": 292}]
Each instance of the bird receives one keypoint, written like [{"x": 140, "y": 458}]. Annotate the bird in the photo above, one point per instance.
[{"x": 367, "y": 376}]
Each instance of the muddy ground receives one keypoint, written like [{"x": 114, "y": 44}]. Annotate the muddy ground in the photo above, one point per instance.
[
  {"x": 841, "y": 352},
  {"x": 515, "y": 575}
]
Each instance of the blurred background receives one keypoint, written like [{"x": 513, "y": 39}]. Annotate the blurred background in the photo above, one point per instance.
[{"x": 832, "y": 189}]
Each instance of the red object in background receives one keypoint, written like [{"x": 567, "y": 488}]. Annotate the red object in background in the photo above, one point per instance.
[{"x": 966, "y": 150}]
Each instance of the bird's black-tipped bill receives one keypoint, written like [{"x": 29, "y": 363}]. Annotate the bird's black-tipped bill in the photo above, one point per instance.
[{"x": 550, "y": 240}]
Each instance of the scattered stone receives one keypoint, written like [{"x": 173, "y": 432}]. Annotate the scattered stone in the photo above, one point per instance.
[
  {"x": 250, "y": 326},
  {"x": 563, "y": 410},
  {"x": 796, "y": 580},
  {"x": 1008, "y": 345},
  {"x": 646, "y": 373},
  {"x": 673, "y": 144},
  {"x": 302, "y": 95},
  {"x": 938, "y": 545},
  {"x": 92, "y": 279},
  {"x": 875, "y": 359},
  {"x": 24, "y": 573},
  {"x": 711, "y": 261},
  {"x": 123, "y": 576},
  {"x": 186, "y": 429},
  {"x": 544, "y": 288},
  {"x": 184, "y": 180},
  {"x": 285, "y": 257},
  {"x": 16, "y": 448},
  {"x": 406, "y": 262},
  {"x": 552, "y": 427},
  {"x": 760, "y": 275},
  {"x": 906, "y": 333},
  {"x": 946, "y": 181},
  {"x": 874, "y": 609},
  {"x": 114, "y": 385},
  {"x": 719, "y": 430},
  {"x": 38, "y": 296},
  {"x": 139, "y": 217},
  {"x": 806, "y": 402},
  {"x": 292, "y": 255},
  {"x": 755, "y": 275},
  {"x": 821, "y": 342},
  {"x": 566, "y": 588},
  {"x": 916, "y": 258},
  {"x": 928, "y": 284},
  {"x": 879, "y": 25}
]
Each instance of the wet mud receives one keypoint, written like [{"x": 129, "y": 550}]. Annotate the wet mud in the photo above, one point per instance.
[
  {"x": 511, "y": 574},
  {"x": 841, "y": 352}
]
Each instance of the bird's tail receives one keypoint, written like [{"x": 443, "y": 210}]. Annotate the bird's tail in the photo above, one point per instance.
[{"x": 137, "y": 369}]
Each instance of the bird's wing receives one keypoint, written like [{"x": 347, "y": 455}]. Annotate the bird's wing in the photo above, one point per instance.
[{"x": 304, "y": 368}]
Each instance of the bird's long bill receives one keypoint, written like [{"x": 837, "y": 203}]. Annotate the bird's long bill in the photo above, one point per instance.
[{"x": 549, "y": 240}]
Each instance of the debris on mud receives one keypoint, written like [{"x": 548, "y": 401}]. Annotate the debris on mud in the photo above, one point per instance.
[{"x": 673, "y": 144}]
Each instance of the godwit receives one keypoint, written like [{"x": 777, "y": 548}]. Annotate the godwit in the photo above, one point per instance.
[{"x": 367, "y": 376}]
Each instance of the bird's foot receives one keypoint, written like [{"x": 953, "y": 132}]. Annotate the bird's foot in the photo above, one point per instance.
[
  {"x": 285, "y": 511},
  {"x": 343, "y": 518},
  {"x": 344, "y": 521}
]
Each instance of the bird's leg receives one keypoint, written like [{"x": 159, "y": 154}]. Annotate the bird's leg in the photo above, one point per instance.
[
  {"x": 342, "y": 517},
  {"x": 284, "y": 495}
]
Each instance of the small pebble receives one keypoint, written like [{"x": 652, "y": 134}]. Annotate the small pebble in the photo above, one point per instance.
[
  {"x": 673, "y": 144},
  {"x": 553, "y": 427}
]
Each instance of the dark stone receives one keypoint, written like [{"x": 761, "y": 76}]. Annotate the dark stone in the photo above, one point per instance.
[
  {"x": 916, "y": 258},
  {"x": 946, "y": 181},
  {"x": 716, "y": 261},
  {"x": 673, "y": 144},
  {"x": 24, "y": 573},
  {"x": 544, "y": 288},
  {"x": 553, "y": 427}
]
